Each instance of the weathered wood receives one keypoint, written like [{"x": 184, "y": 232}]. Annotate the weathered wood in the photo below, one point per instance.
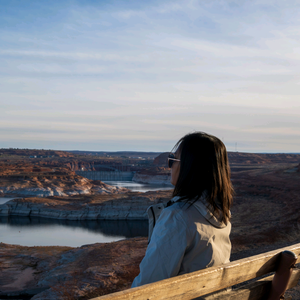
[
  {"x": 206, "y": 281},
  {"x": 257, "y": 290}
]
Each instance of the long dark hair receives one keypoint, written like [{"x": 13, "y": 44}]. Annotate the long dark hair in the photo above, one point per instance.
[{"x": 204, "y": 170}]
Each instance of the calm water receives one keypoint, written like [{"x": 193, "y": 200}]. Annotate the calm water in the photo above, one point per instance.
[
  {"x": 138, "y": 187},
  {"x": 3, "y": 200},
  {"x": 36, "y": 231}
]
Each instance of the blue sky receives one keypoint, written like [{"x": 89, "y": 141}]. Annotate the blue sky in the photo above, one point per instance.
[{"x": 138, "y": 75}]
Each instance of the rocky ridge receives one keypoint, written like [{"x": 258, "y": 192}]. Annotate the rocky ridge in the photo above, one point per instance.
[
  {"x": 159, "y": 179},
  {"x": 245, "y": 158},
  {"x": 54, "y": 185},
  {"x": 69, "y": 273},
  {"x": 129, "y": 206},
  {"x": 34, "y": 153}
]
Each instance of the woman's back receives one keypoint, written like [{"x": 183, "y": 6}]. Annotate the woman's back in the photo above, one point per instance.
[{"x": 186, "y": 238}]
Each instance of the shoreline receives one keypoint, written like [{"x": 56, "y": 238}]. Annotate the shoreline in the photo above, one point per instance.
[
  {"x": 129, "y": 206},
  {"x": 75, "y": 215}
]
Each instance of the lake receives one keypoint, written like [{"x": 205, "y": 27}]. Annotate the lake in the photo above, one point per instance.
[
  {"x": 35, "y": 231},
  {"x": 138, "y": 187},
  {"x": 3, "y": 200}
]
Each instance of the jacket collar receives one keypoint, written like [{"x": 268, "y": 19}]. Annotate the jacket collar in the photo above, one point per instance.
[{"x": 204, "y": 209}]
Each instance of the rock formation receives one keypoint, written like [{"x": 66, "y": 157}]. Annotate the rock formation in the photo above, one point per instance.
[
  {"x": 262, "y": 158},
  {"x": 127, "y": 206},
  {"x": 265, "y": 216},
  {"x": 54, "y": 184},
  {"x": 245, "y": 158},
  {"x": 34, "y": 153},
  {"x": 69, "y": 273},
  {"x": 158, "y": 179}
]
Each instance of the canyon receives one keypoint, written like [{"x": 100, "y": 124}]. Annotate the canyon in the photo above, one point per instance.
[
  {"x": 39, "y": 173},
  {"x": 265, "y": 216}
]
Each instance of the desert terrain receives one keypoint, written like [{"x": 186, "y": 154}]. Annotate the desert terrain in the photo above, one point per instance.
[
  {"x": 265, "y": 216},
  {"x": 45, "y": 173}
]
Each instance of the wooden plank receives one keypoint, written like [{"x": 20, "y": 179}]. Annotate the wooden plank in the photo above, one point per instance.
[
  {"x": 257, "y": 290},
  {"x": 206, "y": 281}
]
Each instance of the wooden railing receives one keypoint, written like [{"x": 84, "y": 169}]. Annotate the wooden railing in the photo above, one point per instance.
[{"x": 216, "y": 281}]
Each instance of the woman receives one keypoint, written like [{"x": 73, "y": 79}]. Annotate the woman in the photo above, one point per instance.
[{"x": 192, "y": 232}]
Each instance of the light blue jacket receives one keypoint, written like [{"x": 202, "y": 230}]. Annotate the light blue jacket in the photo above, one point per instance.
[{"x": 185, "y": 238}]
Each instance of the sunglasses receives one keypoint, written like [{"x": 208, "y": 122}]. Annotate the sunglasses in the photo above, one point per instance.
[{"x": 171, "y": 160}]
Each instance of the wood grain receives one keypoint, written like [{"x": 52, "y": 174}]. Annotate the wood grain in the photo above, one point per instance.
[
  {"x": 257, "y": 290},
  {"x": 206, "y": 281}
]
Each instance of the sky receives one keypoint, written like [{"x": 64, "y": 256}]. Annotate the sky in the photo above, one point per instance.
[{"x": 138, "y": 75}]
